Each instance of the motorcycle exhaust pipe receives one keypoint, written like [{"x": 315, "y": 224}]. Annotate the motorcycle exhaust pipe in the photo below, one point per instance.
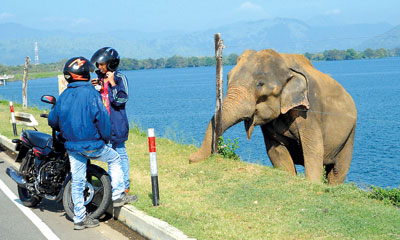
[{"x": 14, "y": 175}]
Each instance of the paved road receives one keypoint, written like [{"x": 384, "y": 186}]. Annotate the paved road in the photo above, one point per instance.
[{"x": 46, "y": 221}]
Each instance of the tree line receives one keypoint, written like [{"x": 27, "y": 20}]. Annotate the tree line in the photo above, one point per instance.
[
  {"x": 351, "y": 54},
  {"x": 43, "y": 67},
  {"x": 181, "y": 62},
  {"x": 174, "y": 62}
]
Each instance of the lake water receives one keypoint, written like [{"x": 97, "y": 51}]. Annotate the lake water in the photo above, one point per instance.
[{"x": 179, "y": 103}]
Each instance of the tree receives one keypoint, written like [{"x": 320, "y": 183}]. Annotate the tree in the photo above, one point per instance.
[
  {"x": 160, "y": 63},
  {"x": 231, "y": 59},
  {"x": 351, "y": 54},
  {"x": 395, "y": 52},
  {"x": 308, "y": 55},
  {"x": 193, "y": 62},
  {"x": 175, "y": 61},
  {"x": 148, "y": 63},
  {"x": 381, "y": 53},
  {"x": 369, "y": 53},
  {"x": 334, "y": 55}
]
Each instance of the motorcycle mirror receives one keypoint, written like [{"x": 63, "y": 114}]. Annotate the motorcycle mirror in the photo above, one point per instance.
[{"x": 48, "y": 99}]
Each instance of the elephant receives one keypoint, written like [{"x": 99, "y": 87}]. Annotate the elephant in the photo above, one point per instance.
[{"x": 306, "y": 117}]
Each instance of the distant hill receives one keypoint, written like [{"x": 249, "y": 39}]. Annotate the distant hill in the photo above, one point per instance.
[
  {"x": 284, "y": 35},
  {"x": 294, "y": 36},
  {"x": 388, "y": 40}
]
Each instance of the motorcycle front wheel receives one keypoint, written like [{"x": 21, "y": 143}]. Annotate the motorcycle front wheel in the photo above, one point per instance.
[{"x": 97, "y": 193}]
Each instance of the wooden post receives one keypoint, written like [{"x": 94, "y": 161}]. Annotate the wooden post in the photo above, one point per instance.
[
  {"x": 219, "y": 45},
  {"x": 24, "y": 85}
]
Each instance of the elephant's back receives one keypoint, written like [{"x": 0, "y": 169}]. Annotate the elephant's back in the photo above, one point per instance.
[
  {"x": 322, "y": 87},
  {"x": 323, "y": 83},
  {"x": 296, "y": 60},
  {"x": 332, "y": 96}
]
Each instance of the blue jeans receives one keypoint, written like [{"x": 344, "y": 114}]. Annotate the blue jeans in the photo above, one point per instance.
[
  {"x": 121, "y": 150},
  {"x": 78, "y": 161}
]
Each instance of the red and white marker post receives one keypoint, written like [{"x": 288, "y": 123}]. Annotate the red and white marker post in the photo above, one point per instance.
[
  {"x": 13, "y": 119},
  {"x": 153, "y": 166}
]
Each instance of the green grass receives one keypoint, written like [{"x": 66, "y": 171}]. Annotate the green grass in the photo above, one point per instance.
[
  {"x": 229, "y": 199},
  {"x": 5, "y": 116},
  {"x": 18, "y": 77}
]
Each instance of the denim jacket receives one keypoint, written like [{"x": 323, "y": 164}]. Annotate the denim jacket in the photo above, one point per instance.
[{"x": 82, "y": 119}]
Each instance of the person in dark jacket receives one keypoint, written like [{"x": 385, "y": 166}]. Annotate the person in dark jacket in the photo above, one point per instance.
[
  {"x": 113, "y": 87},
  {"x": 84, "y": 122}
]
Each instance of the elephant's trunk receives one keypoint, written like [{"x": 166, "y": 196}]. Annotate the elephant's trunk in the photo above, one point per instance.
[{"x": 237, "y": 106}]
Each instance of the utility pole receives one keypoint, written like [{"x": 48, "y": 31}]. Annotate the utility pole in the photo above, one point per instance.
[
  {"x": 219, "y": 45},
  {"x": 24, "y": 84},
  {"x": 36, "y": 54}
]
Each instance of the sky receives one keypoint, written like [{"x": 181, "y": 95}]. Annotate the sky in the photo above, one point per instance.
[{"x": 188, "y": 15}]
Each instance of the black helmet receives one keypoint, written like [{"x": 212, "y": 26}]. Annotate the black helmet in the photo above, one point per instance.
[
  {"x": 78, "y": 69},
  {"x": 106, "y": 55}
]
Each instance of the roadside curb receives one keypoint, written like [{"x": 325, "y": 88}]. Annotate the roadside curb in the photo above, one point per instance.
[
  {"x": 150, "y": 227},
  {"x": 147, "y": 226},
  {"x": 7, "y": 143}
]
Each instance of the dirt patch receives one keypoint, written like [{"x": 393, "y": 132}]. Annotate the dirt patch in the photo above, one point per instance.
[{"x": 124, "y": 230}]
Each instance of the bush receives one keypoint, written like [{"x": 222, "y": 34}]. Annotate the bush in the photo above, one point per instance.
[
  {"x": 227, "y": 149},
  {"x": 391, "y": 196}
]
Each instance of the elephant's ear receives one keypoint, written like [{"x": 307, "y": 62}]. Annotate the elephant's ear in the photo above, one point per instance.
[{"x": 295, "y": 92}]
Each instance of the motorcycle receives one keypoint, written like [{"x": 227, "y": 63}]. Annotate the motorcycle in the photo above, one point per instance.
[{"x": 44, "y": 172}]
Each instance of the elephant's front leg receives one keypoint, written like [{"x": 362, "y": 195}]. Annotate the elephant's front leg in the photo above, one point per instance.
[
  {"x": 313, "y": 152},
  {"x": 278, "y": 154}
]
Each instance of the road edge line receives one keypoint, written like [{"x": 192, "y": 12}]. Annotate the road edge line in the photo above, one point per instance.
[{"x": 43, "y": 228}]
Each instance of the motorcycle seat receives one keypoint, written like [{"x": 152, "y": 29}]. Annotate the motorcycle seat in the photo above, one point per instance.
[{"x": 38, "y": 139}]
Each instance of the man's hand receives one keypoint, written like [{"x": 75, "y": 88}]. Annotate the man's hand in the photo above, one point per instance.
[
  {"x": 94, "y": 81},
  {"x": 110, "y": 78}
]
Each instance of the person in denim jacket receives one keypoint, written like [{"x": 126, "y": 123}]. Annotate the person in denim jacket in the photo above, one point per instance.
[{"x": 84, "y": 123}]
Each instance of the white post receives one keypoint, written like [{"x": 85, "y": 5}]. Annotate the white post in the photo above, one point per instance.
[
  {"x": 153, "y": 166},
  {"x": 13, "y": 119}
]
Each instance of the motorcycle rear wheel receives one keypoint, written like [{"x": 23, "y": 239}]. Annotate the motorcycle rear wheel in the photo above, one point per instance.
[{"x": 97, "y": 193}]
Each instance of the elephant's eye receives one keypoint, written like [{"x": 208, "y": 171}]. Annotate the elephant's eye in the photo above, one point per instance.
[{"x": 260, "y": 84}]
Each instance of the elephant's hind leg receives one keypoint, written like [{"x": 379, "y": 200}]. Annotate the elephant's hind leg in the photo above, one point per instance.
[{"x": 337, "y": 173}]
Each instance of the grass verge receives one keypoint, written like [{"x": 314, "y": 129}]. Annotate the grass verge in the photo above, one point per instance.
[
  {"x": 229, "y": 199},
  {"x": 33, "y": 75}
]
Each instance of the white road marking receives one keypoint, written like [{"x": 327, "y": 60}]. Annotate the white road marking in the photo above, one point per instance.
[{"x": 46, "y": 231}]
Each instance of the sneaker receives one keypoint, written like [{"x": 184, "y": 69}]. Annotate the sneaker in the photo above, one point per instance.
[
  {"x": 124, "y": 199},
  {"x": 88, "y": 222}
]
